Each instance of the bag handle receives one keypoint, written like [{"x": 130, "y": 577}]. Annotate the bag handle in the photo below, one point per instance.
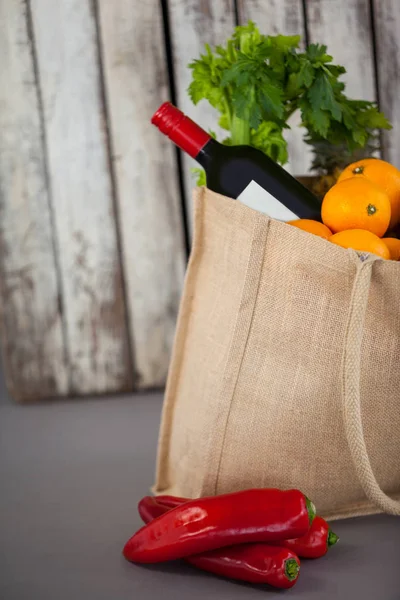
[{"x": 351, "y": 370}]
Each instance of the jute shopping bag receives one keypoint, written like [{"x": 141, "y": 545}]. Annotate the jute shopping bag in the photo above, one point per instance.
[{"x": 285, "y": 369}]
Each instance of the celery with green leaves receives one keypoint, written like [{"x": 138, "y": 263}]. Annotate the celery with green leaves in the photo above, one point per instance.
[{"x": 256, "y": 82}]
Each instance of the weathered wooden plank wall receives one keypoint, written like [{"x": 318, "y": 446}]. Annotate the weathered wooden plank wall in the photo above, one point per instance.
[
  {"x": 148, "y": 200},
  {"x": 32, "y": 331},
  {"x": 81, "y": 194},
  {"x": 92, "y": 249},
  {"x": 387, "y": 30},
  {"x": 194, "y": 24},
  {"x": 345, "y": 27}
]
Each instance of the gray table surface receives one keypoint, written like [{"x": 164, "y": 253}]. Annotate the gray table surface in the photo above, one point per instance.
[{"x": 71, "y": 474}]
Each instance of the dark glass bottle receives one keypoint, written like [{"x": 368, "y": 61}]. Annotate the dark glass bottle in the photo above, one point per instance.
[{"x": 240, "y": 172}]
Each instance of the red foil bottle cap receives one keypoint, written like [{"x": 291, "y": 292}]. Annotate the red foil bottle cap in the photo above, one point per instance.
[{"x": 184, "y": 132}]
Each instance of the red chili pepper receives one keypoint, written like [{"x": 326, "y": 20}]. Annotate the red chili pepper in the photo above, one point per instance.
[
  {"x": 255, "y": 563},
  {"x": 150, "y": 508},
  {"x": 314, "y": 544},
  {"x": 171, "y": 501},
  {"x": 256, "y": 515}
]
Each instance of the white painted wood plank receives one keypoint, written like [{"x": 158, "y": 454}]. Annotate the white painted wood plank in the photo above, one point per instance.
[
  {"x": 387, "y": 27},
  {"x": 65, "y": 35},
  {"x": 147, "y": 181},
  {"x": 345, "y": 27},
  {"x": 282, "y": 17},
  {"x": 194, "y": 24},
  {"x": 31, "y": 323}
]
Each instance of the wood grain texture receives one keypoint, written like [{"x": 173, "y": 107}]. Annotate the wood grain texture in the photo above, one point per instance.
[
  {"x": 387, "y": 28},
  {"x": 194, "y": 24},
  {"x": 65, "y": 35},
  {"x": 345, "y": 27},
  {"x": 282, "y": 17},
  {"x": 146, "y": 175},
  {"x": 31, "y": 320}
]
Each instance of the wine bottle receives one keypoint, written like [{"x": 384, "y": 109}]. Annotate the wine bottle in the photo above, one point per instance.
[{"x": 240, "y": 172}]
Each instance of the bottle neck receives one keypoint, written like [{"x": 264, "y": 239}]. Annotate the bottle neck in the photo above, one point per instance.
[{"x": 184, "y": 132}]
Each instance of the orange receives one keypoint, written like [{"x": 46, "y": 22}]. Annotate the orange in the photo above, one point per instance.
[
  {"x": 361, "y": 240},
  {"x": 312, "y": 227},
  {"x": 383, "y": 174},
  {"x": 394, "y": 247},
  {"x": 356, "y": 203}
]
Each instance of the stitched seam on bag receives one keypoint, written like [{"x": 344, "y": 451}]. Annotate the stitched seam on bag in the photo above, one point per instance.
[
  {"x": 222, "y": 388},
  {"x": 260, "y": 222}
]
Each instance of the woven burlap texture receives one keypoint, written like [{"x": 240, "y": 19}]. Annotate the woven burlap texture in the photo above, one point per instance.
[{"x": 285, "y": 370}]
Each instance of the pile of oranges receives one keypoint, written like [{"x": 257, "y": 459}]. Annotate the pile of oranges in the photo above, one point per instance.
[{"x": 361, "y": 208}]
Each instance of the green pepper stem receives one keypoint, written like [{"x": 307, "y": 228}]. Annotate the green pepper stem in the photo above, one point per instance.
[
  {"x": 310, "y": 509},
  {"x": 292, "y": 568},
  {"x": 332, "y": 538}
]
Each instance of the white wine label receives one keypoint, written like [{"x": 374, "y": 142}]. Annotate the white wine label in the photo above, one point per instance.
[{"x": 256, "y": 197}]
